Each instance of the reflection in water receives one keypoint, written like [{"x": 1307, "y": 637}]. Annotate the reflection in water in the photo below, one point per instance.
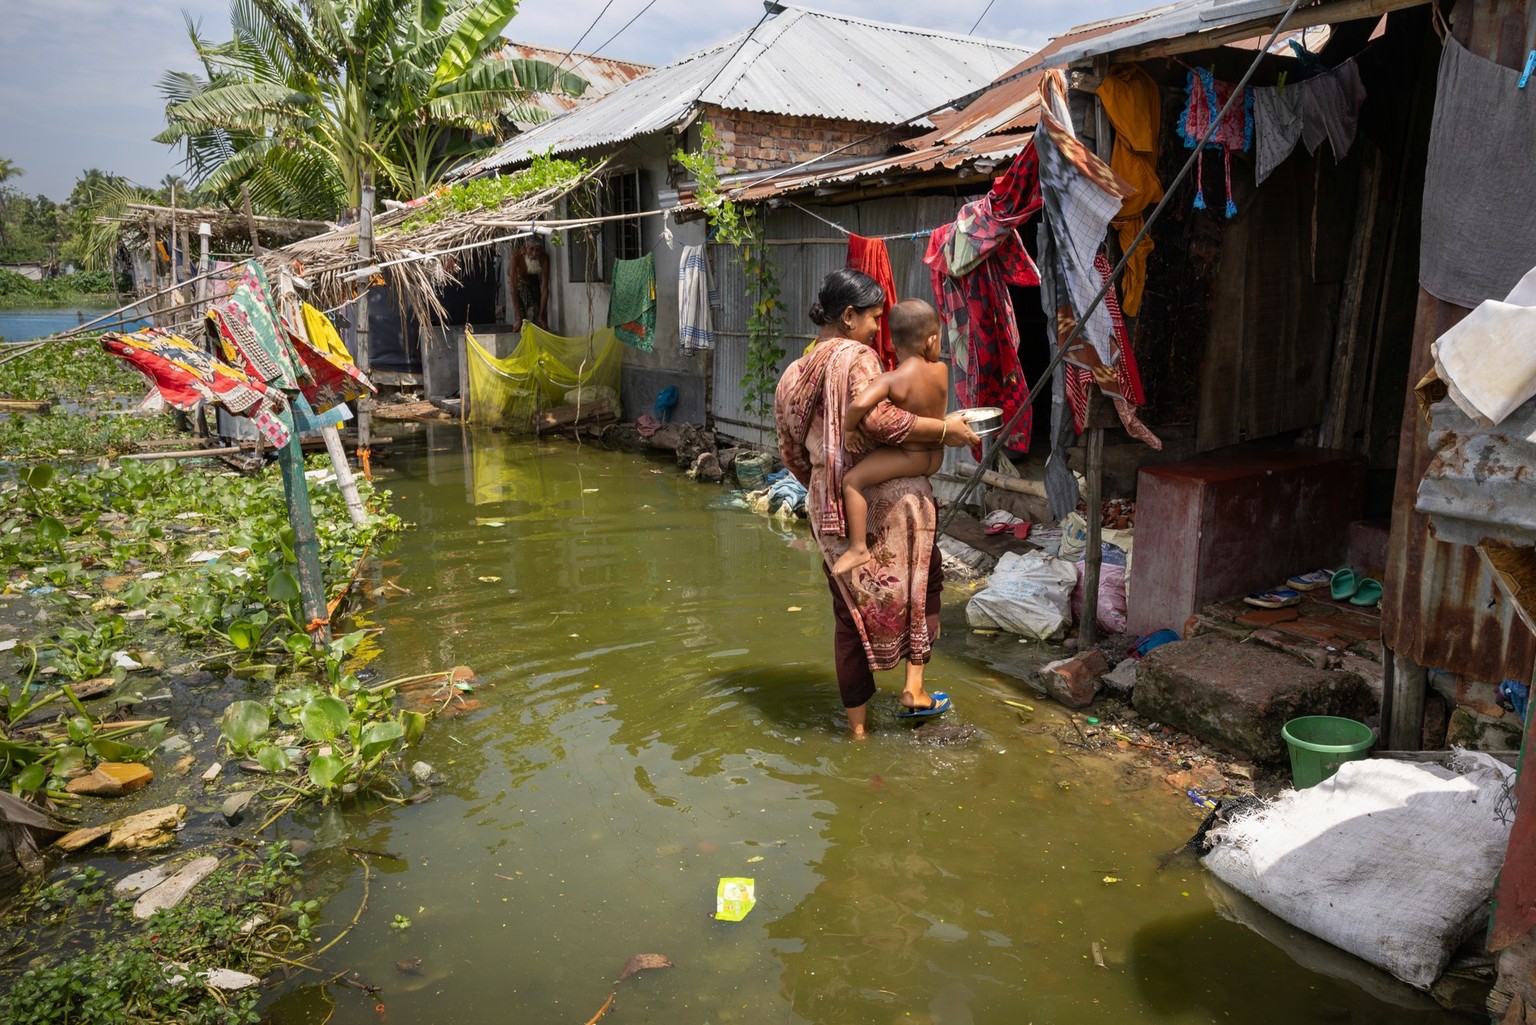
[{"x": 655, "y": 716}]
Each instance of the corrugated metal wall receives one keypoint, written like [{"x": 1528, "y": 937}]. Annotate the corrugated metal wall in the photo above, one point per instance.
[
  {"x": 1442, "y": 607},
  {"x": 804, "y": 251}
]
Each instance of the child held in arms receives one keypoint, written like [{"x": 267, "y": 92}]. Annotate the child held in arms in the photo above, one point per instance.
[{"x": 919, "y": 384}]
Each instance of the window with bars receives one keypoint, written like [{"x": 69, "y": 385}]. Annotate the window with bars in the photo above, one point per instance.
[{"x": 593, "y": 250}]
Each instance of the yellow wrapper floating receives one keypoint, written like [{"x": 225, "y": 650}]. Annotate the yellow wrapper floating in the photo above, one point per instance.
[{"x": 734, "y": 898}]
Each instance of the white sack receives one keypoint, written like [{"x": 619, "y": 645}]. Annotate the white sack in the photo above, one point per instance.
[
  {"x": 1488, "y": 360},
  {"x": 1028, "y": 594},
  {"x": 1392, "y": 861}
]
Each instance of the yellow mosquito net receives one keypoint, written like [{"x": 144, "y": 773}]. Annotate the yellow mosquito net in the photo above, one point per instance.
[{"x": 544, "y": 371}]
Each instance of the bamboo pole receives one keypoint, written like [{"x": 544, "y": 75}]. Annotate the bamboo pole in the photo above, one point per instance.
[
  {"x": 364, "y": 354},
  {"x": 1088, "y": 631},
  {"x": 191, "y": 453},
  {"x": 339, "y": 464},
  {"x": 306, "y": 543}
]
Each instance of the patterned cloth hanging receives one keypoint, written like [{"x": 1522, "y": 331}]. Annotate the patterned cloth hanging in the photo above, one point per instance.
[
  {"x": 182, "y": 375},
  {"x": 973, "y": 261},
  {"x": 695, "y": 316},
  {"x": 1234, "y": 134},
  {"x": 632, "y": 302},
  {"x": 1124, "y": 388},
  {"x": 253, "y": 335}
]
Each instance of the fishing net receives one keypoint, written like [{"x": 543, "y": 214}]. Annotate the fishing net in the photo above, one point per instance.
[{"x": 544, "y": 372}]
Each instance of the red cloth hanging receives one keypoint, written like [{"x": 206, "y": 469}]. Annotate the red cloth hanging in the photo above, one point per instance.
[
  {"x": 973, "y": 261},
  {"x": 870, "y": 256}
]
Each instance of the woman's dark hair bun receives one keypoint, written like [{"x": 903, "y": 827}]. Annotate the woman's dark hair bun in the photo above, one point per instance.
[{"x": 844, "y": 288}]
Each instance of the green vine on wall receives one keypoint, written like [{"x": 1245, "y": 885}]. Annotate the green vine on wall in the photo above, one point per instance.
[{"x": 740, "y": 226}]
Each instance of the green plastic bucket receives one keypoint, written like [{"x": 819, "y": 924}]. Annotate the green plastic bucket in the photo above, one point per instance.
[{"x": 1321, "y": 743}]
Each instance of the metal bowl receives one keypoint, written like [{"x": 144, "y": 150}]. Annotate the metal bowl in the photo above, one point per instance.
[{"x": 984, "y": 420}]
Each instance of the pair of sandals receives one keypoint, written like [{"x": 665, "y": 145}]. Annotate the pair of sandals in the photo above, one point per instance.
[
  {"x": 1343, "y": 584},
  {"x": 1346, "y": 585}
]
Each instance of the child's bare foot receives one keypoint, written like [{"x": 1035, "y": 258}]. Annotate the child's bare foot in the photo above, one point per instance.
[{"x": 852, "y": 559}]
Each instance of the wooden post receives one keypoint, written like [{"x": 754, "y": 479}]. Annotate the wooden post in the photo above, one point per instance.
[
  {"x": 344, "y": 479},
  {"x": 204, "y": 261},
  {"x": 250, "y": 218},
  {"x": 363, "y": 355},
  {"x": 1402, "y": 702},
  {"x": 306, "y": 543},
  {"x": 464, "y": 379},
  {"x": 1346, "y": 384},
  {"x": 1088, "y": 630},
  {"x": 154, "y": 275}
]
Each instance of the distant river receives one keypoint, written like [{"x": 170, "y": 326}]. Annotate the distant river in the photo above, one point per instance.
[{"x": 22, "y": 324}]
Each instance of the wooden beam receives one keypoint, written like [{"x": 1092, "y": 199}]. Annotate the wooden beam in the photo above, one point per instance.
[{"x": 1344, "y": 386}]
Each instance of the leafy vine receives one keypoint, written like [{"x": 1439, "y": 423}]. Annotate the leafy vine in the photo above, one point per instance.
[{"x": 740, "y": 226}]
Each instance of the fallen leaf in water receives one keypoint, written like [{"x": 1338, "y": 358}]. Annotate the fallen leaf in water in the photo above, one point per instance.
[
  {"x": 793, "y": 608},
  {"x": 1111, "y": 879},
  {"x": 751, "y": 861},
  {"x": 640, "y": 962},
  {"x": 589, "y": 491},
  {"x": 489, "y": 580},
  {"x": 599, "y": 701}
]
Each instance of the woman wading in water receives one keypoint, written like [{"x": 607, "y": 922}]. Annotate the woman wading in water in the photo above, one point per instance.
[{"x": 887, "y": 611}]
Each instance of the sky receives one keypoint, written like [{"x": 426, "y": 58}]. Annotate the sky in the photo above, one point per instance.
[{"x": 77, "y": 77}]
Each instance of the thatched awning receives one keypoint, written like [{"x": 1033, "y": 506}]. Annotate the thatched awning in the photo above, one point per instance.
[
  {"x": 232, "y": 229},
  {"x": 331, "y": 265}
]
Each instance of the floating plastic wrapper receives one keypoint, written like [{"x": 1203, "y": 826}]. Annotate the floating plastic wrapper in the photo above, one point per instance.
[{"x": 734, "y": 897}]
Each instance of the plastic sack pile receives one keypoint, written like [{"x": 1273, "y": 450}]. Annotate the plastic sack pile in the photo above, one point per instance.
[{"x": 544, "y": 371}]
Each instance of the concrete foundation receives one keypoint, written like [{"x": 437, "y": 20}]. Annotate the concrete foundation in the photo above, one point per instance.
[{"x": 1237, "y": 696}]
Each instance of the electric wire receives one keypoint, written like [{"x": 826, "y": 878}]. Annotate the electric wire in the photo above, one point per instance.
[
  {"x": 561, "y": 65},
  {"x": 604, "y": 45},
  {"x": 983, "y": 14}
]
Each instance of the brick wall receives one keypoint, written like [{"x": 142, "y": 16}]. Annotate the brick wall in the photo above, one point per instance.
[{"x": 756, "y": 141}]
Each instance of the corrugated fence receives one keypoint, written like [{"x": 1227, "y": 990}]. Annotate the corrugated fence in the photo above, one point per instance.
[{"x": 805, "y": 250}]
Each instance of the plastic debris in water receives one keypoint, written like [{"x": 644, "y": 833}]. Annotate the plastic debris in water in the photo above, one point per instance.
[{"x": 734, "y": 897}]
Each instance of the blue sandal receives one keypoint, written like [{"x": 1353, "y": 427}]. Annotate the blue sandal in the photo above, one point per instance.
[{"x": 940, "y": 705}]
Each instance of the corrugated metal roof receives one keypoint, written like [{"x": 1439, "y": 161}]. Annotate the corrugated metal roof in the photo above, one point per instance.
[
  {"x": 650, "y": 103},
  {"x": 997, "y": 148},
  {"x": 603, "y": 75},
  {"x": 834, "y": 66},
  {"x": 1199, "y": 24},
  {"x": 801, "y": 63},
  {"x": 1171, "y": 22}
]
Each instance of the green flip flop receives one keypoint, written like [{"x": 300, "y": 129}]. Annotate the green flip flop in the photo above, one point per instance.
[
  {"x": 1343, "y": 585},
  {"x": 1368, "y": 593}
]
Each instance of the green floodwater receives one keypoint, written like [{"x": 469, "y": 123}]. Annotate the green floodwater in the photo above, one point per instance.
[{"x": 659, "y": 713}]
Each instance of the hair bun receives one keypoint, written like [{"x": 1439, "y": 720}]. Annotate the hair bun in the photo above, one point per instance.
[{"x": 817, "y": 314}]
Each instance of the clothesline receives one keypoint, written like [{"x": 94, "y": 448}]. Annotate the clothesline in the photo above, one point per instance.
[{"x": 912, "y": 235}]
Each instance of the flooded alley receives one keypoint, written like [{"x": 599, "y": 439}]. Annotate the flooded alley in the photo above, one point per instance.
[{"x": 658, "y": 714}]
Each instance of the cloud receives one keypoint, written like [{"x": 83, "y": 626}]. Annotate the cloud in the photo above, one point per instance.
[{"x": 77, "y": 77}]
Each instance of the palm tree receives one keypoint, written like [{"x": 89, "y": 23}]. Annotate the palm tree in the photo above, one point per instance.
[
  {"x": 8, "y": 170},
  {"x": 310, "y": 95}
]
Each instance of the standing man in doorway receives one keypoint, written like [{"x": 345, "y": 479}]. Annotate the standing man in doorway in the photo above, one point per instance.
[{"x": 529, "y": 281}]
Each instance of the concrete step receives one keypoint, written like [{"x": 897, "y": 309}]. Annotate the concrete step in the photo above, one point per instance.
[{"x": 1237, "y": 696}]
